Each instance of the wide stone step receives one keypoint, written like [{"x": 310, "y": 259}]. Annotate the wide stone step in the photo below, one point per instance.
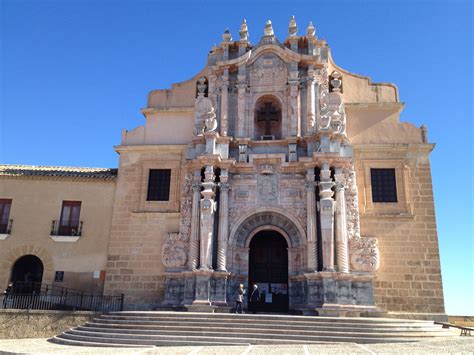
[
  {"x": 249, "y": 320},
  {"x": 262, "y": 332},
  {"x": 276, "y": 327},
  {"x": 187, "y": 339},
  {"x": 272, "y": 317},
  {"x": 122, "y": 329},
  {"x": 256, "y": 324},
  {"x": 70, "y": 339}
]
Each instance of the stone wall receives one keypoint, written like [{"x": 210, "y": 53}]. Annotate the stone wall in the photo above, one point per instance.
[
  {"x": 16, "y": 324},
  {"x": 409, "y": 277},
  {"x": 140, "y": 228}
]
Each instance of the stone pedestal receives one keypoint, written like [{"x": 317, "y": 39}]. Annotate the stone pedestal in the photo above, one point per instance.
[{"x": 339, "y": 294}]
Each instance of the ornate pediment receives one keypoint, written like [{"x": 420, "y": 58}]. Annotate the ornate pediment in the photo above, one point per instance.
[{"x": 268, "y": 70}]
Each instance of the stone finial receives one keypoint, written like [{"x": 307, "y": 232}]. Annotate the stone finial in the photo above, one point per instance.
[
  {"x": 292, "y": 28},
  {"x": 227, "y": 37},
  {"x": 424, "y": 133},
  {"x": 336, "y": 81},
  {"x": 310, "y": 31},
  {"x": 244, "y": 31},
  {"x": 268, "y": 31}
]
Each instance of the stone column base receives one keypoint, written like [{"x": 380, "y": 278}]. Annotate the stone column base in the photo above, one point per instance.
[
  {"x": 335, "y": 294},
  {"x": 204, "y": 308},
  {"x": 347, "y": 310}
]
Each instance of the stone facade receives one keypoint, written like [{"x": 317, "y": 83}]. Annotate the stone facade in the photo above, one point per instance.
[{"x": 275, "y": 137}]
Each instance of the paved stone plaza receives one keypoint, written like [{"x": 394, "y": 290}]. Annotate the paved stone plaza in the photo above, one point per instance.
[{"x": 456, "y": 345}]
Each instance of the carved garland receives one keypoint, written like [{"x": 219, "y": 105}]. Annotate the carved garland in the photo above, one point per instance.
[{"x": 363, "y": 251}]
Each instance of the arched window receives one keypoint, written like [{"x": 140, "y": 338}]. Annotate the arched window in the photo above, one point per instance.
[{"x": 267, "y": 118}]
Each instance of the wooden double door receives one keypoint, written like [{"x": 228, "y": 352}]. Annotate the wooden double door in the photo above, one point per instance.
[{"x": 268, "y": 269}]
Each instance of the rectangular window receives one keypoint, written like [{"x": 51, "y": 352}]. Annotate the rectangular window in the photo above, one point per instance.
[
  {"x": 384, "y": 186},
  {"x": 159, "y": 185},
  {"x": 5, "y": 206},
  {"x": 70, "y": 213}
]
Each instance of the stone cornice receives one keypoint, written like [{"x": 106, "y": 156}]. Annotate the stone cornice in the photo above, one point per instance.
[
  {"x": 178, "y": 148},
  {"x": 151, "y": 110},
  {"x": 374, "y": 106},
  {"x": 400, "y": 147}
]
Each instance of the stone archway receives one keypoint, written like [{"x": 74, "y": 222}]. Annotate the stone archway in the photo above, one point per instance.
[
  {"x": 266, "y": 219},
  {"x": 11, "y": 256},
  {"x": 27, "y": 273}
]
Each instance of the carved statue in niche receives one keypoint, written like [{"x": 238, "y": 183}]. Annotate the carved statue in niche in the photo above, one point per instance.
[
  {"x": 174, "y": 251},
  {"x": 333, "y": 114},
  {"x": 210, "y": 120},
  {"x": 202, "y": 105}
]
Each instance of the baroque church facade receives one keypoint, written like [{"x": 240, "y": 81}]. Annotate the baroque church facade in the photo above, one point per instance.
[{"x": 272, "y": 166}]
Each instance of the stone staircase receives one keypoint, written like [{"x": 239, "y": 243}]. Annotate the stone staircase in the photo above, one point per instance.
[{"x": 145, "y": 329}]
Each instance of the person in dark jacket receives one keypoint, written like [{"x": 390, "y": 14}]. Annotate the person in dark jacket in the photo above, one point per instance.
[{"x": 254, "y": 298}]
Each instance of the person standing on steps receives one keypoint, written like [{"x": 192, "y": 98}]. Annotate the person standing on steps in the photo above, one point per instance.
[
  {"x": 239, "y": 299},
  {"x": 254, "y": 298}
]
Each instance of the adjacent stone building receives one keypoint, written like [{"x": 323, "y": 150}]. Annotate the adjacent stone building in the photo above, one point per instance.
[{"x": 272, "y": 166}]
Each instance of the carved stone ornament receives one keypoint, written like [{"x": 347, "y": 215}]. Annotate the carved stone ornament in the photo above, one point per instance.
[
  {"x": 244, "y": 32},
  {"x": 267, "y": 188},
  {"x": 174, "y": 251},
  {"x": 364, "y": 254},
  {"x": 352, "y": 204},
  {"x": 333, "y": 114},
  {"x": 210, "y": 120},
  {"x": 186, "y": 207},
  {"x": 202, "y": 106}
]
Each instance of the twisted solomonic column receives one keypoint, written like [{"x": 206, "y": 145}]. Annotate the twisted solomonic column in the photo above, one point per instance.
[
  {"x": 342, "y": 259},
  {"x": 312, "y": 248},
  {"x": 223, "y": 226},
  {"x": 193, "y": 260}
]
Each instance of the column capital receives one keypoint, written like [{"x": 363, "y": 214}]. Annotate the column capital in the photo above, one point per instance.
[
  {"x": 196, "y": 186},
  {"x": 224, "y": 186},
  {"x": 339, "y": 185},
  {"x": 310, "y": 185}
]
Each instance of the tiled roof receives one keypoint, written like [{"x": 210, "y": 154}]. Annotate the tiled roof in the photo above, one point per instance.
[{"x": 57, "y": 171}]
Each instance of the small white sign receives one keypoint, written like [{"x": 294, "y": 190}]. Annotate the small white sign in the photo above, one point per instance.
[
  {"x": 268, "y": 298},
  {"x": 96, "y": 274}
]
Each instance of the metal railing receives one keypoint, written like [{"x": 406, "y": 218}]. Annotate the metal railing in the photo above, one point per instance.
[
  {"x": 24, "y": 295},
  {"x": 66, "y": 228},
  {"x": 6, "y": 228}
]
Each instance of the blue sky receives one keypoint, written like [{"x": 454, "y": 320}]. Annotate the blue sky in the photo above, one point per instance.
[{"x": 74, "y": 73}]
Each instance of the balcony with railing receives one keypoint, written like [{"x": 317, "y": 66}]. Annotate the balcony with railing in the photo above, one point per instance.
[
  {"x": 66, "y": 231},
  {"x": 5, "y": 229}
]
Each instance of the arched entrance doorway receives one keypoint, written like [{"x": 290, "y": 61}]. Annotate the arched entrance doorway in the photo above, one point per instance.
[
  {"x": 268, "y": 268},
  {"x": 26, "y": 272}
]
